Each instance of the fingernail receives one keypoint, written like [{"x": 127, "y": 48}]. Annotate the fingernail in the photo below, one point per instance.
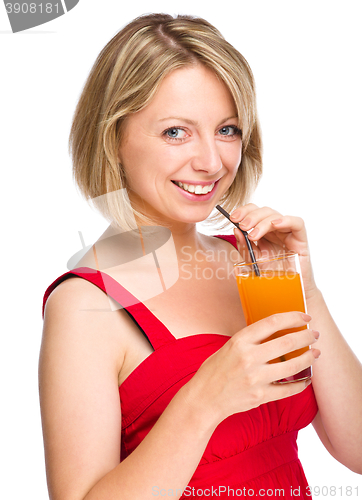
[
  {"x": 316, "y": 334},
  {"x": 235, "y": 215},
  {"x": 316, "y": 353},
  {"x": 254, "y": 233},
  {"x": 306, "y": 317},
  {"x": 276, "y": 221},
  {"x": 308, "y": 382},
  {"x": 245, "y": 223}
]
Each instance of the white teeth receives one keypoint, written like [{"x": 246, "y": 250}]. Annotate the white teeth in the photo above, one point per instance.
[{"x": 191, "y": 188}]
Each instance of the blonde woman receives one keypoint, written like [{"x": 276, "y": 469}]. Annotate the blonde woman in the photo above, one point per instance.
[{"x": 162, "y": 390}]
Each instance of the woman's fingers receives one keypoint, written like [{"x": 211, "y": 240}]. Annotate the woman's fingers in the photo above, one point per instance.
[
  {"x": 281, "y": 391},
  {"x": 286, "y": 222},
  {"x": 285, "y": 369},
  {"x": 238, "y": 376},
  {"x": 275, "y": 348},
  {"x": 266, "y": 221},
  {"x": 266, "y": 225},
  {"x": 276, "y": 222},
  {"x": 264, "y": 328},
  {"x": 289, "y": 343},
  {"x": 242, "y": 246},
  {"x": 249, "y": 213}
]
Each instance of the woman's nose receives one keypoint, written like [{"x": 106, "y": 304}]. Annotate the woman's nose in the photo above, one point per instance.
[{"x": 206, "y": 156}]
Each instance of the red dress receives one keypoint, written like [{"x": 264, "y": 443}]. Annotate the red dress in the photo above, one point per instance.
[{"x": 253, "y": 453}]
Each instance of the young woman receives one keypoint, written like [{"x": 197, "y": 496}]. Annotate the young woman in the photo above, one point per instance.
[{"x": 150, "y": 382}]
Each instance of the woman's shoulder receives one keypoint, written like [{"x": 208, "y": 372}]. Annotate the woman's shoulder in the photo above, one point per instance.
[
  {"x": 70, "y": 291},
  {"x": 73, "y": 302},
  {"x": 76, "y": 312},
  {"x": 78, "y": 299}
]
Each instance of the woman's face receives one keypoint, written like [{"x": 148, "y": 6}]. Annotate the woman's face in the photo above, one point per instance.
[{"x": 185, "y": 142}]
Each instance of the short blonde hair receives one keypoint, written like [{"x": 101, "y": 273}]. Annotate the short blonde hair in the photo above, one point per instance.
[{"x": 124, "y": 79}]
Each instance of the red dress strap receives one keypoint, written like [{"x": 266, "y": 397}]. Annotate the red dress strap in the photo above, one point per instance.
[
  {"x": 228, "y": 237},
  {"x": 154, "y": 330}
]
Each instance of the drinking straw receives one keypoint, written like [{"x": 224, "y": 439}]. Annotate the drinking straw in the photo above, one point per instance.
[{"x": 251, "y": 252}]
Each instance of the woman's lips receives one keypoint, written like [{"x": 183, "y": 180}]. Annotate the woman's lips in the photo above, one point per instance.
[{"x": 197, "y": 197}]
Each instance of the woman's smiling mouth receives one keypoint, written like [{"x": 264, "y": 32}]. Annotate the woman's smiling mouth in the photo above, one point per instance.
[
  {"x": 195, "y": 188},
  {"x": 202, "y": 191}
]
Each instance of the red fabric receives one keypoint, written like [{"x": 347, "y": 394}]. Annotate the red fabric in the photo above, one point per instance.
[{"x": 250, "y": 454}]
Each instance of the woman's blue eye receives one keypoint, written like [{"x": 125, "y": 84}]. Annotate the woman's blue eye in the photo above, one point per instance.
[
  {"x": 175, "y": 133},
  {"x": 229, "y": 130},
  {"x": 179, "y": 134}
]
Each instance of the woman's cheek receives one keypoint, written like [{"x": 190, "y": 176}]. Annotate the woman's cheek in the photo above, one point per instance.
[
  {"x": 231, "y": 155},
  {"x": 178, "y": 154}
]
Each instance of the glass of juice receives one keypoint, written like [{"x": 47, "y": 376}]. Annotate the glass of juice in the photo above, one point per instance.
[{"x": 278, "y": 289}]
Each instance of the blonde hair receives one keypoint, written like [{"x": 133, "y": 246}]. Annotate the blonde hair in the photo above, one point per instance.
[{"x": 124, "y": 79}]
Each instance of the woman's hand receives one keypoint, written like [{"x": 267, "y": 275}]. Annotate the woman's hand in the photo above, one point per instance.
[
  {"x": 238, "y": 376},
  {"x": 338, "y": 367},
  {"x": 272, "y": 234}
]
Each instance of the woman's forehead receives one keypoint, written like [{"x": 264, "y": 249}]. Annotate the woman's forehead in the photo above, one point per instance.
[{"x": 188, "y": 92}]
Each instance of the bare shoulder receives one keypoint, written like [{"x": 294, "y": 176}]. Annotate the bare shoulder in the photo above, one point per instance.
[
  {"x": 80, "y": 358},
  {"x": 76, "y": 292},
  {"x": 77, "y": 310}
]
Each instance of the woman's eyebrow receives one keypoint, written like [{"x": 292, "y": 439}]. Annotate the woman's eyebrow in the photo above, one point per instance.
[
  {"x": 228, "y": 118},
  {"x": 192, "y": 122},
  {"x": 187, "y": 120}
]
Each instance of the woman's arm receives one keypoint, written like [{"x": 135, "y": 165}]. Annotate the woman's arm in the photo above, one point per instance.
[
  {"x": 337, "y": 379},
  {"x": 81, "y": 355},
  {"x": 337, "y": 383},
  {"x": 80, "y": 360},
  {"x": 79, "y": 399}
]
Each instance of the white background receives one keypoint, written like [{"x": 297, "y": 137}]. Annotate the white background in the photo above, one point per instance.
[{"x": 306, "y": 58}]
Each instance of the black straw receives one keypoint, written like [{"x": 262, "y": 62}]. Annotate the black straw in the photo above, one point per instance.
[{"x": 251, "y": 252}]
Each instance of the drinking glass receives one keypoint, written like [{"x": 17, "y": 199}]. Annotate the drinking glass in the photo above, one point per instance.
[{"x": 278, "y": 289}]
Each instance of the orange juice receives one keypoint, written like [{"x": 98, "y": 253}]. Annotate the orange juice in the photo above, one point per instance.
[{"x": 270, "y": 293}]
